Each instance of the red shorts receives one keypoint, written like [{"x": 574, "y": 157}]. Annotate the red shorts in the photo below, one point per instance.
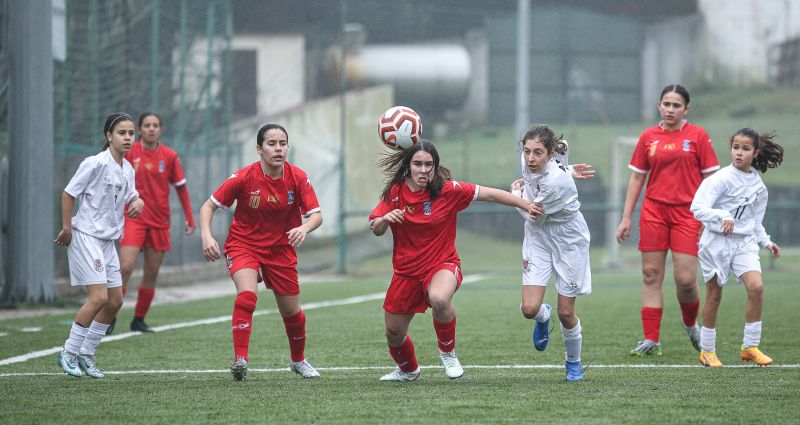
[
  {"x": 277, "y": 265},
  {"x": 408, "y": 296},
  {"x": 140, "y": 235},
  {"x": 663, "y": 227}
]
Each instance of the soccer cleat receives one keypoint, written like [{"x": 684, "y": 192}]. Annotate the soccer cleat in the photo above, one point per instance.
[
  {"x": 87, "y": 364},
  {"x": 239, "y": 369},
  {"x": 574, "y": 371},
  {"x": 138, "y": 324},
  {"x": 646, "y": 348},
  {"x": 694, "y": 335},
  {"x": 398, "y": 375},
  {"x": 753, "y": 354},
  {"x": 304, "y": 369},
  {"x": 541, "y": 332},
  {"x": 709, "y": 359},
  {"x": 111, "y": 325},
  {"x": 69, "y": 362},
  {"x": 452, "y": 367}
]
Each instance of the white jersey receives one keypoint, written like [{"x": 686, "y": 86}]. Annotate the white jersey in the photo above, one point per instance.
[
  {"x": 730, "y": 194},
  {"x": 558, "y": 241},
  {"x": 102, "y": 188}
]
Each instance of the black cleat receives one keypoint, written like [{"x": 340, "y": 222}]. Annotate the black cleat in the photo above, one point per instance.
[
  {"x": 138, "y": 324},
  {"x": 111, "y": 325}
]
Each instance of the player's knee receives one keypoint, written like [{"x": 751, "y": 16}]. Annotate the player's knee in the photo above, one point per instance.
[
  {"x": 686, "y": 284},
  {"x": 530, "y": 309},
  {"x": 114, "y": 303},
  {"x": 652, "y": 276},
  {"x": 394, "y": 336},
  {"x": 246, "y": 301},
  {"x": 566, "y": 315},
  {"x": 756, "y": 291},
  {"x": 439, "y": 303},
  {"x": 98, "y": 299}
]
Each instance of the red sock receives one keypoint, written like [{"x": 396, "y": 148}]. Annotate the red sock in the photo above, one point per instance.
[
  {"x": 243, "y": 308},
  {"x": 143, "y": 301},
  {"x": 296, "y": 331},
  {"x": 651, "y": 322},
  {"x": 689, "y": 313},
  {"x": 445, "y": 335},
  {"x": 404, "y": 356}
]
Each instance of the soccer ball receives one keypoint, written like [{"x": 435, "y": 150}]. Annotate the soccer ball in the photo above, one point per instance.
[{"x": 399, "y": 128}]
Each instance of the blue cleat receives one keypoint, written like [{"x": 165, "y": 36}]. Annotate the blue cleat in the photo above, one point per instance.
[
  {"x": 541, "y": 332},
  {"x": 574, "y": 371}
]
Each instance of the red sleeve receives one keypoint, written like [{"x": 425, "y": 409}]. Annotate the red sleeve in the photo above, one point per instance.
[
  {"x": 707, "y": 156},
  {"x": 228, "y": 191},
  {"x": 639, "y": 162},
  {"x": 186, "y": 203},
  {"x": 384, "y": 206},
  {"x": 176, "y": 175},
  {"x": 308, "y": 197},
  {"x": 463, "y": 194}
]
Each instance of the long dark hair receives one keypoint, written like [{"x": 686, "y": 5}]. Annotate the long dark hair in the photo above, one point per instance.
[
  {"x": 677, "y": 88},
  {"x": 770, "y": 154},
  {"x": 397, "y": 166},
  {"x": 547, "y": 137},
  {"x": 111, "y": 122}
]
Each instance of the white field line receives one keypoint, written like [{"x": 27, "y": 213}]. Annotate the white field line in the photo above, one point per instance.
[
  {"x": 388, "y": 367},
  {"x": 309, "y": 306}
]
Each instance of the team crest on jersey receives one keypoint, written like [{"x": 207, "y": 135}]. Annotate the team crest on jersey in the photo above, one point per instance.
[
  {"x": 255, "y": 201},
  {"x": 98, "y": 265},
  {"x": 426, "y": 208},
  {"x": 290, "y": 197},
  {"x": 653, "y": 147},
  {"x": 687, "y": 145},
  {"x": 161, "y": 166}
]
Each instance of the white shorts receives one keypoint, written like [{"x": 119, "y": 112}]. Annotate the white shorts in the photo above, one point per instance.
[
  {"x": 720, "y": 255},
  {"x": 93, "y": 261},
  {"x": 561, "y": 249}
]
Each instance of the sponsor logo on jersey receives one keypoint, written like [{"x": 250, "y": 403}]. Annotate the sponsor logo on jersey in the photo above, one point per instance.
[
  {"x": 408, "y": 209},
  {"x": 148, "y": 166},
  {"x": 255, "y": 192},
  {"x": 161, "y": 166},
  {"x": 98, "y": 265},
  {"x": 687, "y": 145},
  {"x": 290, "y": 197},
  {"x": 669, "y": 146},
  {"x": 426, "y": 208},
  {"x": 456, "y": 184},
  {"x": 272, "y": 199},
  {"x": 255, "y": 201},
  {"x": 653, "y": 147}
]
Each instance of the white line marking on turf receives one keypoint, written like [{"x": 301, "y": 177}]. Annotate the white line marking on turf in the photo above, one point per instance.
[
  {"x": 209, "y": 321},
  {"x": 309, "y": 306},
  {"x": 357, "y": 368}
]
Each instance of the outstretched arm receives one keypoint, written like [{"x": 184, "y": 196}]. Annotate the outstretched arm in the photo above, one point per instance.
[{"x": 490, "y": 194}]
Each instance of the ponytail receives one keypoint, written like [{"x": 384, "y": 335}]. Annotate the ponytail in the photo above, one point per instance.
[{"x": 770, "y": 154}]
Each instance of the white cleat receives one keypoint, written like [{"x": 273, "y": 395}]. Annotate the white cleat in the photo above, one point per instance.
[
  {"x": 398, "y": 375},
  {"x": 304, "y": 369},
  {"x": 69, "y": 362},
  {"x": 88, "y": 366},
  {"x": 452, "y": 367}
]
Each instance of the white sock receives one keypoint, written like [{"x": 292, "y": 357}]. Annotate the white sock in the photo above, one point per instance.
[
  {"x": 76, "y": 336},
  {"x": 708, "y": 339},
  {"x": 96, "y": 332},
  {"x": 544, "y": 313},
  {"x": 752, "y": 334},
  {"x": 573, "y": 342}
]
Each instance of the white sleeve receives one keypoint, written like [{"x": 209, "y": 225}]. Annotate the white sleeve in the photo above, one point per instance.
[
  {"x": 702, "y": 205},
  {"x": 86, "y": 174},
  {"x": 759, "y": 209},
  {"x": 132, "y": 192}
]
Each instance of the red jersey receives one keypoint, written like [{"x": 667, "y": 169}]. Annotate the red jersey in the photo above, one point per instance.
[
  {"x": 427, "y": 236},
  {"x": 675, "y": 161},
  {"x": 266, "y": 208},
  {"x": 155, "y": 171}
]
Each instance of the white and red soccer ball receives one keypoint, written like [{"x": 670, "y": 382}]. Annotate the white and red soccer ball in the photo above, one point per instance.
[{"x": 400, "y": 127}]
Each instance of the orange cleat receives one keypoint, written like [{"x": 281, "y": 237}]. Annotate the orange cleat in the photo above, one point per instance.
[
  {"x": 753, "y": 354},
  {"x": 709, "y": 359}
]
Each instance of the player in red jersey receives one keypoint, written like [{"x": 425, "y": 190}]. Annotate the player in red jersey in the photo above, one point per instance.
[
  {"x": 675, "y": 157},
  {"x": 272, "y": 198},
  {"x": 157, "y": 167},
  {"x": 420, "y": 203}
]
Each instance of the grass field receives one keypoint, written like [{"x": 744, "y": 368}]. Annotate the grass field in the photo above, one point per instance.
[{"x": 180, "y": 375}]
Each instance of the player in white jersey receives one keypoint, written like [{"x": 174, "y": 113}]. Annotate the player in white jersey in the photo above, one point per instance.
[
  {"x": 556, "y": 243},
  {"x": 104, "y": 184},
  {"x": 731, "y": 205}
]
